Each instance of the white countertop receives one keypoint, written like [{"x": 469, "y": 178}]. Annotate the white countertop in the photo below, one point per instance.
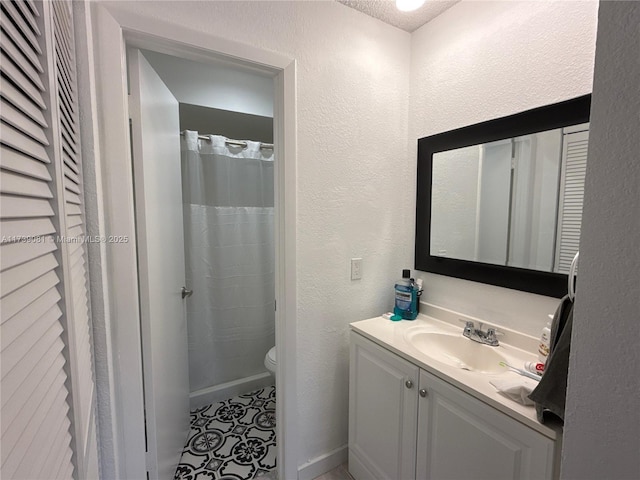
[{"x": 392, "y": 336}]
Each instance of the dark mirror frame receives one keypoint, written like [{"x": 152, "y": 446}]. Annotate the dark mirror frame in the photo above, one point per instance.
[{"x": 563, "y": 114}]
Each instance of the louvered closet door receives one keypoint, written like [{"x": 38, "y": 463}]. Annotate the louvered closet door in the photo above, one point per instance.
[
  {"x": 574, "y": 167},
  {"x": 73, "y": 249},
  {"x": 47, "y": 386}
]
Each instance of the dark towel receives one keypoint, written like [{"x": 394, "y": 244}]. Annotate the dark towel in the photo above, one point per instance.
[{"x": 551, "y": 392}]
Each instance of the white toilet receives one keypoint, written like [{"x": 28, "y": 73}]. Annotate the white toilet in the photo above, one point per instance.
[{"x": 270, "y": 361}]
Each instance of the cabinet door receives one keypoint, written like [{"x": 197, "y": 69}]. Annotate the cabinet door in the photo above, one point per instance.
[
  {"x": 460, "y": 437},
  {"x": 383, "y": 411}
]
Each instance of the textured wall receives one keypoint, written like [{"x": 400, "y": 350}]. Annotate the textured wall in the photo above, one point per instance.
[
  {"x": 602, "y": 430},
  {"x": 355, "y": 178},
  {"x": 483, "y": 60}
]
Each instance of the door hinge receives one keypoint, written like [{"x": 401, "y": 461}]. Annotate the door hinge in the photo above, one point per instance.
[{"x": 275, "y": 305}]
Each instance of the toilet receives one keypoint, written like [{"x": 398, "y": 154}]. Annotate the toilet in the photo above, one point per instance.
[{"x": 270, "y": 361}]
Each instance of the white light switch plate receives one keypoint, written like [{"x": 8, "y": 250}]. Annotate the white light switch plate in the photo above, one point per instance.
[{"x": 356, "y": 268}]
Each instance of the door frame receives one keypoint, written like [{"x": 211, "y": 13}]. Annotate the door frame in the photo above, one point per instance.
[{"x": 115, "y": 32}]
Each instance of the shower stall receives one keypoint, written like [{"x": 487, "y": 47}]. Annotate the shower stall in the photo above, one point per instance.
[{"x": 228, "y": 201}]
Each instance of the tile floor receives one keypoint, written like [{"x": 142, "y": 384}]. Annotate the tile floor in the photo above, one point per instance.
[{"x": 232, "y": 440}]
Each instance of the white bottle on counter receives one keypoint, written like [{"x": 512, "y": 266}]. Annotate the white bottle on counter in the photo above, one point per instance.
[{"x": 545, "y": 342}]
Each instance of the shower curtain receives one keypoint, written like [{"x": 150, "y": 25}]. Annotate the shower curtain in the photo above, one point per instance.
[{"x": 229, "y": 258}]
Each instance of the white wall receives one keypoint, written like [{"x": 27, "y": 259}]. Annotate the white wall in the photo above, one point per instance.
[
  {"x": 354, "y": 195},
  {"x": 602, "y": 425},
  {"x": 484, "y": 60},
  {"x": 220, "y": 86}
]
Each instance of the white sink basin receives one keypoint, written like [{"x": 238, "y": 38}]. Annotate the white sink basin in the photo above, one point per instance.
[{"x": 457, "y": 351}]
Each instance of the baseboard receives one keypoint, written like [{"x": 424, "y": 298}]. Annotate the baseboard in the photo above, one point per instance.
[
  {"x": 322, "y": 464},
  {"x": 224, "y": 391}
]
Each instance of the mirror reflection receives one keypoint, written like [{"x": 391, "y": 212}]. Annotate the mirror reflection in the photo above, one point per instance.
[{"x": 515, "y": 202}]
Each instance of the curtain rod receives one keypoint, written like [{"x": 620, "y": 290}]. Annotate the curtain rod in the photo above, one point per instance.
[{"x": 236, "y": 143}]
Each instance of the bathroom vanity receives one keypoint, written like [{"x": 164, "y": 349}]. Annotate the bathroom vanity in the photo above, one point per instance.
[{"x": 421, "y": 405}]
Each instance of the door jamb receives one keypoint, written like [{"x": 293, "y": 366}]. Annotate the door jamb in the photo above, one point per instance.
[{"x": 117, "y": 30}]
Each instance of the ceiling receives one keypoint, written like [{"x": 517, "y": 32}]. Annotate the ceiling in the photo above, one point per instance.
[{"x": 386, "y": 11}]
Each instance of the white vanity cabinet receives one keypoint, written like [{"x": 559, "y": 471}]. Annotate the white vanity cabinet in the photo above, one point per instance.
[
  {"x": 405, "y": 424},
  {"x": 383, "y": 409}
]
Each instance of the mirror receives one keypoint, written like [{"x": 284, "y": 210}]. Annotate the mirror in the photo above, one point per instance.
[{"x": 501, "y": 202}]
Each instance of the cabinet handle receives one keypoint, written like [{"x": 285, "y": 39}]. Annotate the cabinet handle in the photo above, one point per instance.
[
  {"x": 423, "y": 392},
  {"x": 409, "y": 384}
]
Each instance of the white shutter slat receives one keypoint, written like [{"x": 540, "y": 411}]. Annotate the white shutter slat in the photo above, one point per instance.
[
  {"x": 70, "y": 161},
  {"x": 61, "y": 466},
  {"x": 71, "y": 186},
  {"x": 20, "y": 100},
  {"x": 16, "y": 207},
  {"x": 15, "y": 139},
  {"x": 14, "y": 326},
  {"x": 32, "y": 6},
  {"x": 74, "y": 221},
  {"x": 29, "y": 34},
  {"x": 42, "y": 424},
  {"x": 23, "y": 345},
  {"x": 58, "y": 430},
  {"x": 75, "y": 257},
  {"x": 26, "y": 228},
  {"x": 17, "y": 424},
  {"x": 79, "y": 283},
  {"x": 16, "y": 184},
  {"x": 71, "y": 197},
  {"x": 73, "y": 210},
  {"x": 16, "y": 253},
  {"x": 28, "y": 16},
  {"x": 75, "y": 248},
  {"x": 18, "y": 162},
  {"x": 21, "y": 275},
  {"x": 71, "y": 175},
  {"x": 26, "y": 125},
  {"x": 12, "y": 406},
  {"x": 18, "y": 77},
  {"x": 68, "y": 145},
  {"x": 17, "y": 38},
  {"x": 21, "y": 60},
  {"x": 76, "y": 233},
  {"x": 66, "y": 118},
  {"x": 23, "y": 297},
  {"x": 12, "y": 379}
]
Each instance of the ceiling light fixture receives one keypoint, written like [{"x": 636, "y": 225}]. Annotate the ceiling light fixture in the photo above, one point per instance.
[{"x": 408, "y": 5}]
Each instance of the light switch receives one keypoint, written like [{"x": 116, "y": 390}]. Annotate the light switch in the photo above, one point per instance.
[{"x": 356, "y": 268}]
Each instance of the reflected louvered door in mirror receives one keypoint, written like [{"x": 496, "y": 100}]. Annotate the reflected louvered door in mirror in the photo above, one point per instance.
[
  {"x": 574, "y": 168},
  {"x": 47, "y": 404}
]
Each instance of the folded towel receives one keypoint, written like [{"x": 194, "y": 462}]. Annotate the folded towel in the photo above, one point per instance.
[
  {"x": 550, "y": 394},
  {"x": 516, "y": 388}
]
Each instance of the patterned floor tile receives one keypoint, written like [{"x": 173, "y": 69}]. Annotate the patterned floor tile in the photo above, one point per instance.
[{"x": 232, "y": 440}]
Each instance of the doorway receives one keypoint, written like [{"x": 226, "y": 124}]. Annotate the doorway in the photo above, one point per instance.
[
  {"x": 204, "y": 207},
  {"x": 123, "y": 396}
]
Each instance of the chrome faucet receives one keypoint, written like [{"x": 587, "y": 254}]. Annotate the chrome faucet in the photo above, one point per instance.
[{"x": 490, "y": 337}]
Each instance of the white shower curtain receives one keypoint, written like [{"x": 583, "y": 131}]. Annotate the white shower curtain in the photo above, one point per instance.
[{"x": 229, "y": 254}]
